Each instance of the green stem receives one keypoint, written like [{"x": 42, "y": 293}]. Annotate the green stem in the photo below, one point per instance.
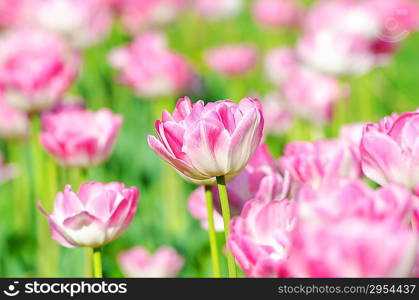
[
  {"x": 97, "y": 263},
  {"x": 225, "y": 208},
  {"x": 211, "y": 232}
]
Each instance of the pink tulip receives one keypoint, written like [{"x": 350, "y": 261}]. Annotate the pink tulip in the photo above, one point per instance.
[
  {"x": 139, "y": 263},
  {"x": 138, "y": 15},
  {"x": 280, "y": 64},
  {"x": 390, "y": 149},
  {"x": 151, "y": 68},
  {"x": 83, "y": 22},
  {"x": 14, "y": 124},
  {"x": 352, "y": 248},
  {"x": 98, "y": 214},
  {"x": 35, "y": 69},
  {"x": 259, "y": 181},
  {"x": 259, "y": 238},
  {"x": 204, "y": 141},
  {"x": 312, "y": 95},
  {"x": 12, "y": 13},
  {"x": 314, "y": 162},
  {"x": 218, "y": 9},
  {"x": 276, "y": 13},
  {"x": 337, "y": 199},
  {"x": 231, "y": 60},
  {"x": 76, "y": 137},
  {"x": 352, "y": 133},
  {"x": 278, "y": 118},
  {"x": 337, "y": 53}
]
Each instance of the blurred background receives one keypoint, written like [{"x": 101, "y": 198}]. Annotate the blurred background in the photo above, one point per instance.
[{"x": 311, "y": 88}]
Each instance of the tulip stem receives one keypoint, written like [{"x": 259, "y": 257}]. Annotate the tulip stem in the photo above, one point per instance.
[
  {"x": 225, "y": 208},
  {"x": 212, "y": 233},
  {"x": 97, "y": 263}
]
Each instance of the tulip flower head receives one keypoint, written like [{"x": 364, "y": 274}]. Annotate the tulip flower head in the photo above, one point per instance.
[
  {"x": 205, "y": 141},
  {"x": 96, "y": 215},
  {"x": 139, "y": 263},
  {"x": 76, "y": 137}
]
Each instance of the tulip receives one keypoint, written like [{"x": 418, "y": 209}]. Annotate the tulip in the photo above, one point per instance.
[
  {"x": 205, "y": 141},
  {"x": 151, "y": 68},
  {"x": 76, "y": 137},
  {"x": 338, "y": 199},
  {"x": 82, "y": 22},
  {"x": 314, "y": 162},
  {"x": 12, "y": 13},
  {"x": 352, "y": 248},
  {"x": 96, "y": 215},
  {"x": 278, "y": 118},
  {"x": 259, "y": 181},
  {"x": 218, "y": 9},
  {"x": 14, "y": 124},
  {"x": 280, "y": 64},
  {"x": 259, "y": 238},
  {"x": 312, "y": 95},
  {"x": 276, "y": 13},
  {"x": 138, "y": 15},
  {"x": 389, "y": 150},
  {"x": 139, "y": 263},
  {"x": 35, "y": 69},
  {"x": 231, "y": 60}
]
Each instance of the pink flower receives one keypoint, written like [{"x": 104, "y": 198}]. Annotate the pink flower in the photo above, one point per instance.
[
  {"x": 12, "y": 13},
  {"x": 314, "y": 162},
  {"x": 138, "y": 262},
  {"x": 204, "y": 141},
  {"x": 218, "y": 9},
  {"x": 35, "y": 69},
  {"x": 278, "y": 118},
  {"x": 259, "y": 181},
  {"x": 14, "y": 124},
  {"x": 276, "y": 13},
  {"x": 259, "y": 238},
  {"x": 98, "y": 214},
  {"x": 336, "y": 53},
  {"x": 80, "y": 138},
  {"x": 352, "y": 133},
  {"x": 337, "y": 199},
  {"x": 231, "y": 60},
  {"x": 151, "y": 68},
  {"x": 83, "y": 22},
  {"x": 280, "y": 64},
  {"x": 312, "y": 95},
  {"x": 138, "y": 15},
  {"x": 352, "y": 248},
  {"x": 390, "y": 150}
]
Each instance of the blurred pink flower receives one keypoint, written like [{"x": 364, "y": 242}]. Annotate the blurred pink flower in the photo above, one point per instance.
[
  {"x": 83, "y": 22},
  {"x": 12, "y": 13},
  {"x": 352, "y": 133},
  {"x": 218, "y": 9},
  {"x": 337, "y": 199},
  {"x": 98, "y": 214},
  {"x": 280, "y": 64},
  {"x": 204, "y": 141},
  {"x": 259, "y": 238},
  {"x": 352, "y": 248},
  {"x": 139, "y": 263},
  {"x": 76, "y": 137},
  {"x": 35, "y": 69},
  {"x": 14, "y": 124},
  {"x": 313, "y": 162},
  {"x": 278, "y": 118},
  {"x": 390, "y": 150},
  {"x": 138, "y": 15},
  {"x": 231, "y": 60},
  {"x": 259, "y": 181},
  {"x": 276, "y": 13},
  {"x": 151, "y": 68},
  {"x": 312, "y": 95}
]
